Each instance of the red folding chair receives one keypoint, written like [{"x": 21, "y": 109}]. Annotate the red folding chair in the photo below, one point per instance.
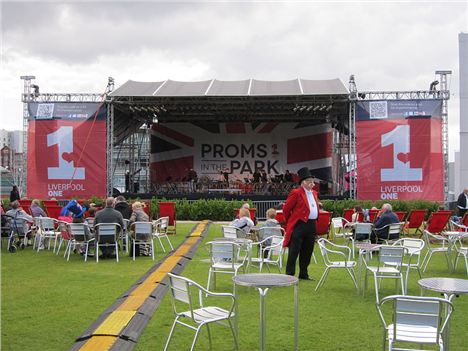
[
  {"x": 414, "y": 221},
  {"x": 167, "y": 209},
  {"x": 348, "y": 215},
  {"x": 373, "y": 215},
  {"x": 401, "y": 215},
  {"x": 46, "y": 203},
  {"x": 438, "y": 221},
  {"x": 26, "y": 206},
  {"x": 323, "y": 223},
  {"x": 462, "y": 225},
  {"x": 53, "y": 211}
]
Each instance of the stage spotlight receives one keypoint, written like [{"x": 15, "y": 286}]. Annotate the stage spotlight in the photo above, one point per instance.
[
  {"x": 433, "y": 85},
  {"x": 361, "y": 95}
]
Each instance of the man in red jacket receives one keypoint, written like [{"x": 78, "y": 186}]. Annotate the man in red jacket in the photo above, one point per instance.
[{"x": 301, "y": 211}]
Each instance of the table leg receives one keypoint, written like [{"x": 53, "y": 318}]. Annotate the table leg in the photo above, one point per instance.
[
  {"x": 296, "y": 316},
  {"x": 263, "y": 293},
  {"x": 446, "y": 335}
]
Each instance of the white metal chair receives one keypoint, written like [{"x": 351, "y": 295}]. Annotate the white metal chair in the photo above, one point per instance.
[
  {"x": 124, "y": 235},
  {"x": 160, "y": 227},
  {"x": 142, "y": 235},
  {"x": 232, "y": 232},
  {"x": 331, "y": 250},
  {"x": 47, "y": 231},
  {"x": 412, "y": 259},
  {"x": 81, "y": 235},
  {"x": 107, "y": 234},
  {"x": 430, "y": 239},
  {"x": 462, "y": 251},
  {"x": 360, "y": 232},
  {"x": 224, "y": 259},
  {"x": 389, "y": 267},
  {"x": 270, "y": 252},
  {"x": 197, "y": 315},
  {"x": 393, "y": 233},
  {"x": 338, "y": 227},
  {"x": 415, "y": 319}
]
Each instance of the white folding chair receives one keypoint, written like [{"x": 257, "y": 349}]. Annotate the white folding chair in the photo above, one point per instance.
[
  {"x": 360, "y": 232},
  {"x": 270, "y": 252},
  {"x": 160, "y": 227},
  {"x": 195, "y": 314},
  {"x": 389, "y": 267},
  {"x": 443, "y": 247},
  {"x": 412, "y": 259},
  {"x": 142, "y": 235},
  {"x": 393, "y": 233},
  {"x": 415, "y": 319},
  {"x": 224, "y": 259},
  {"x": 107, "y": 234},
  {"x": 329, "y": 249},
  {"x": 338, "y": 227}
]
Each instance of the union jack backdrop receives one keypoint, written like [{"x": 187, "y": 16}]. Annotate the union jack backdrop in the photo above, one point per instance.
[{"x": 239, "y": 148}]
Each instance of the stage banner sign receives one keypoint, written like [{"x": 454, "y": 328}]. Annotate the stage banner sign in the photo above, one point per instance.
[
  {"x": 399, "y": 150},
  {"x": 240, "y": 149},
  {"x": 66, "y": 150}
]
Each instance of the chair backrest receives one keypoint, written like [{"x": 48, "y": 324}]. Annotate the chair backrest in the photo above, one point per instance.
[
  {"x": 47, "y": 223},
  {"x": 276, "y": 247},
  {"x": 232, "y": 232},
  {"x": 323, "y": 223},
  {"x": 79, "y": 231},
  {"x": 415, "y": 218},
  {"x": 348, "y": 214},
  {"x": 392, "y": 255},
  {"x": 401, "y": 215},
  {"x": 25, "y": 204},
  {"x": 181, "y": 293},
  {"x": 90, "y": 221},
  {"x": 143, "y": 230},
  {"x": 225, "y": 252},
  {"x": 394, "y": 230},
  {"x": 464, "y": 220},
  {"x": 373, "y": 215},
  {"x": 413, "y": 247},
  {"x": 167, "y": 209},
  {"x": 337, "y": 223},
  {"x": 46, "y": 203},
  {"x": 362, "y": 231},
  {"x": 438, "y": 221},
  {"x": 415, "y": 312},
  {"x": 322, "y": 242},
  {"x": 266, "y": 232},
  {"x": 53, "y": 211},
  {"x": 106, "y": 233}
]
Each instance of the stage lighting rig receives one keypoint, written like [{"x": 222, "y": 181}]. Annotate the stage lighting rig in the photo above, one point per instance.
[{"x": 433, "y": 85}]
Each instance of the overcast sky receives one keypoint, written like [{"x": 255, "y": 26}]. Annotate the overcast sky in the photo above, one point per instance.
[{"x": 75, "y": 46}]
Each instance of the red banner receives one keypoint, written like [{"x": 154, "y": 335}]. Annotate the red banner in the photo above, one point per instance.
[
  {"x": 400, "y": 159},
  {"x": 66, "y": 159}
]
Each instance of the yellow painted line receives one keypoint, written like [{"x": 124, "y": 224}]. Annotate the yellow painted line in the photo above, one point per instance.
[
  {"x": 106, "y": 334},
  {"x": 114, "y": 323},
  {"x": 101, "y": 343}
]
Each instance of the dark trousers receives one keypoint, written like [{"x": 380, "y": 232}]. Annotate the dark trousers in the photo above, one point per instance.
[{"x": 302, "y": 245}]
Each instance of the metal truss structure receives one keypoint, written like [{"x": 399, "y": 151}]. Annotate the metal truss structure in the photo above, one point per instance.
[{"x": 147, "y": 110}]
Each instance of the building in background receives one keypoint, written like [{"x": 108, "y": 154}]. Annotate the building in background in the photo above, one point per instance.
[{"x": 11, "y": 156}]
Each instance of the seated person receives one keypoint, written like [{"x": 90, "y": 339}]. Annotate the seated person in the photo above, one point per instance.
[
  {"x": 139, "y": 215},
  {"x": 243, "y": 222},
  {"x": 358, "y": 214},
  {"x": 36, "y": 210},
  {"x": 270, "y": 222},
  {"x": 385, "y": 218}
]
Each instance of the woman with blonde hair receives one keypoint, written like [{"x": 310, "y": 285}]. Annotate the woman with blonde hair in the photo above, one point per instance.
[
  {"x": 243, "y": 222},
  {"x": 138, "y": 214}
]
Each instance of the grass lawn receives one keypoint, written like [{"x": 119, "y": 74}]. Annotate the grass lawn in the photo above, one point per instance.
[{"x": 47, "y": 302}]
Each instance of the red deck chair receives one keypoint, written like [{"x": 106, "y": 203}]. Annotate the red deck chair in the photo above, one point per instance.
[
  {"x": 415, "y": 220},
  {"x": 26, "y": 206},
  {"x": 53, "y": 211},
  {"x": 323, "y": 223},
  {"x": 373, "y": 215},
  {"x": 167, "y": 209},
  {"x": 347, "y": 214},
  {"x": 401, "y": 215},
  {"x": 438, "y": 222},
  {"x": 280, "y": 219},
  {"x": 46, "y": 203}
]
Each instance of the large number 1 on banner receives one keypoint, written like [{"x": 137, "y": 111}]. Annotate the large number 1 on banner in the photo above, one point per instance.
[
  {"x": 399, "y": 137},
  {"x": 63, "y": 138}
]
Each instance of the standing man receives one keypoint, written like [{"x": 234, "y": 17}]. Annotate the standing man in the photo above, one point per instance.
[
  {"x": 108, "y": 215},
  {"x": 301, "y": 213},
  {"x": 462, "y": 203}
]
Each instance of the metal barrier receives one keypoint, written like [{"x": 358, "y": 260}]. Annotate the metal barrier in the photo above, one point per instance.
[{"x": 263, "y": 206}]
